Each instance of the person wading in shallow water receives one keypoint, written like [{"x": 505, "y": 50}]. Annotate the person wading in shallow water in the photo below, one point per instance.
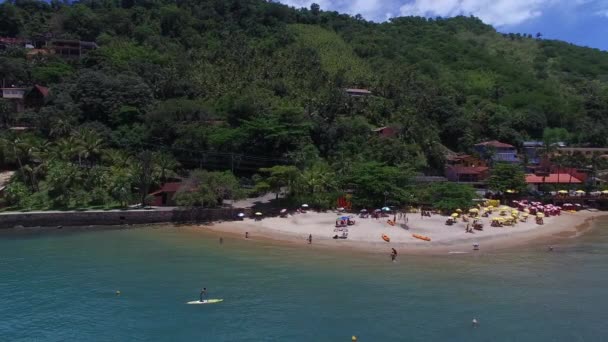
[
  {"x": 393, "y": 254},
  {"x": 309, "y": 239}
]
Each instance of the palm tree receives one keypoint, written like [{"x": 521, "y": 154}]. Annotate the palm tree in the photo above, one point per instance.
[
  {"x": 90, "y": 145},
  {"x": 165, "y": 165}
]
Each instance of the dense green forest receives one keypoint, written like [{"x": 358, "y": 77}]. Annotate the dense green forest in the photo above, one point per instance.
[{"x": 240, "y": 85}]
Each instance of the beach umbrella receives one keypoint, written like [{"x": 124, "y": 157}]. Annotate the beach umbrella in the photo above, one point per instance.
[
  {"x": 304, "y": 205},
  {"x": 605, "y": 192},
  {"x": 510, "y": 191},
  {"x": 340, "y": 209},
  {"x": 526, "y": 214},
  {"x": 562, "y": 192},
  {"x": 458, "y": 210},
  {"x": 455, "y": 215},
  {"x": 540, "y": 215},
  {"x": 474, "y": 210},
  {"x": 580, "y": 192},
  {"x": 283, "y": 211},
  {"x": 241, "y": 215},
  {"x": 258, "y": 214},
  {"x": 363, "y": 210},
  {"x": 527, "y": 210},
  {"x": 386, "y": 209}
]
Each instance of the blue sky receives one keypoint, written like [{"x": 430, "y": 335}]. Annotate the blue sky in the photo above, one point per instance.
[{"x": 582, "y": 22}]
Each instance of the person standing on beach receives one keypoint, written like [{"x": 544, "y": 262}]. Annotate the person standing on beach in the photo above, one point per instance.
[
  {"x": 309, "y": 239},
  {"x": 246, "y": 235}
]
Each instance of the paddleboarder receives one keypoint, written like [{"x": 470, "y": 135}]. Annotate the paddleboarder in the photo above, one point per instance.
[{"x": 203, "y": 294}]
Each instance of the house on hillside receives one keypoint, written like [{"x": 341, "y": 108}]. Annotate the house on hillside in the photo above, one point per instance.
[
  {"x": 495, "y": 151},
  {"x": 8, "y": 42},
  {"x": 71, "y": 48},
  {"x": 354, "y": 92},
  {"x": 23, "y": 98},
  {"x": 465, "y": 169},
  {"x": 385, "y": 132}
]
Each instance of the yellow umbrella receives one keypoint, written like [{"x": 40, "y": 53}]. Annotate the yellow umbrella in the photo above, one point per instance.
[
  {"x": 455, "y": 215},
  {"x": 458, "y": 210},
  {"x": 515, "y": 211},
  {"x": 580, "y": 192},
  {"x": 504, "y": 207},
  {"x": 495, "y": 218},
  {"x": 562, "y": 192},
  {"x": 527, "y": 211},
  {"x": 526, "y": 214},
  {"x": 511, "y": 191},
  {"x": 605, "y": 192},
  {"x": 474, "y": 210},
  {"x": 492, "y": 207},
  {"x": 540, "y": 215}
]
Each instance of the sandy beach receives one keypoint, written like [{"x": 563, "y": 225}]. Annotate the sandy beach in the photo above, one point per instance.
[{"x": 367, "y": 233}]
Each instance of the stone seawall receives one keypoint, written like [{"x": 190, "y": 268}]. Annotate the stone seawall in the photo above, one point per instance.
[{"x": 116, "y": 217}]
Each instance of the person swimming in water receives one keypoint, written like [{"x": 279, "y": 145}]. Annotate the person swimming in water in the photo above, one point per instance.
[
  {"x": 393, "y": 254},
  {"x": 203, "y": 294}
]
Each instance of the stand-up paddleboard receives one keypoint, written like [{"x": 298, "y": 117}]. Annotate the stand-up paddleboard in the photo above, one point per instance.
[{"x": 207, "y": 301}]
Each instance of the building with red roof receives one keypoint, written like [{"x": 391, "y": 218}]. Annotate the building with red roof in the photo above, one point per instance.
[
  {"x": 535, "y": 181},
  {"x": 165, "y": 196},
  {"x": 496, "y": 151},
  {"x": 466, "y": 168}
]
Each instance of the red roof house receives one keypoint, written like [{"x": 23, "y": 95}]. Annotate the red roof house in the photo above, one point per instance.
[
  {"x": 165, "y": 196},
  {"x": 553, "y": 178}
]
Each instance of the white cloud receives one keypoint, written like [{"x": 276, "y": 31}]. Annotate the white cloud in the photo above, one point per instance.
[
  {"x": 603, "y": 13},
  {"x": 495, "y": 12},
  {"x": 370, "y": 9}
]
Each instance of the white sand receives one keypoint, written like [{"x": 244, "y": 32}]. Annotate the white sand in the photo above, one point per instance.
[{"x": 367, "y": 233}]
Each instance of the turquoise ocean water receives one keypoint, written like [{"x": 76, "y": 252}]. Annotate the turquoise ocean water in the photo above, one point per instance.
[{"x": 60, "y": 286}]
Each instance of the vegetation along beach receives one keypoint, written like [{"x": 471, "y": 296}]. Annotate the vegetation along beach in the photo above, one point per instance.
[{"x": 263, "y": 160}]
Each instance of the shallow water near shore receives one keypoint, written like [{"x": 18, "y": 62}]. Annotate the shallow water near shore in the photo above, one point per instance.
[{"x": 60, "y": 286}]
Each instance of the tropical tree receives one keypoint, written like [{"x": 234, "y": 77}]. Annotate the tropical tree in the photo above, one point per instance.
[
  {"x": 165, "y": 165},
  {"x": 505, "y": 177},
  {"x": 448, "y": 197},
  {"x": 277, "y": 178},
  {"x": 374, "y": 184},
  {"x": 208, "y": 189}
]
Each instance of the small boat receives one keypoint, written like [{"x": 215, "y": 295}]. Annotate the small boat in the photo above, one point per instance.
[
  {"x": 421, "y": 237},
  {"x": 386, "y": 238}
]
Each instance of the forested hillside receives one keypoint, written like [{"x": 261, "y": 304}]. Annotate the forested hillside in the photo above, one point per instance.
[{"x": 202, "y": 83}]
